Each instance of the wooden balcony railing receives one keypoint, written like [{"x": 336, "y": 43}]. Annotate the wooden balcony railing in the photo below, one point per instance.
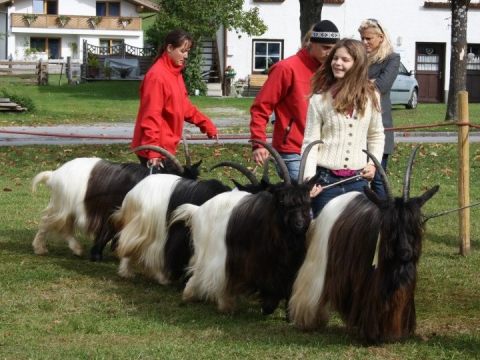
[{"x": 76, "y": 22}]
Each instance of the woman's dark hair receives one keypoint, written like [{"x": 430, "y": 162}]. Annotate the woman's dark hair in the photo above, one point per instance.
[{"x": 176, "y": 38}]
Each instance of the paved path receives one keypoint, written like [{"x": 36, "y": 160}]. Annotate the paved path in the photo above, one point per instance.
[{"x": 122, "y": 133}]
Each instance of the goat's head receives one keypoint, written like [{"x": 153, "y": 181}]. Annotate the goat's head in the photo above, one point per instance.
[
  {"x": 172, "y": 165},
  {"x": 402, "y": 227},
  {"x": 254, "y": 185},
  {"x": 293, "y": 202}
]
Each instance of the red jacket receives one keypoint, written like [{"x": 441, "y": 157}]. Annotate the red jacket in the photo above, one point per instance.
[
  {"x": 285, "y": 92},
  {"x": 164, "y": 106}
]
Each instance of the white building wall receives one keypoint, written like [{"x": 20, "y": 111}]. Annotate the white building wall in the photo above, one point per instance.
[
  {"x": 406, "y": 21},
  {"x": 20, "y": 37},
  {"x": 283, "y": 22}
]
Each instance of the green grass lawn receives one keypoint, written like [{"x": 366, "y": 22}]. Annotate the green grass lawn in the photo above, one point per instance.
[
  {"x": 60, "y": 306},
  {"x": 117, "y": 102}
]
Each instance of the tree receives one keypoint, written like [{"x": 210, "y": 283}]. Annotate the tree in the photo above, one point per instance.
[
  {"x": 458, "y": 58},
  {"x": 310, "y": 13},
  {"x": 202, "y": 19}
]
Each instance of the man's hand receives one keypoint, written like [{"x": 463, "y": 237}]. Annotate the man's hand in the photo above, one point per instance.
[{"x": 259, "y": 155}]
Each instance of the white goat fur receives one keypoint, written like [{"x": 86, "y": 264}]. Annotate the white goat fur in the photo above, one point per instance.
[
  {"x": 306, "y": 289},
  {"x": 142, "y": 218},
  {"x": 208, "y": 224},
  {"x": 65, "y": 213}
]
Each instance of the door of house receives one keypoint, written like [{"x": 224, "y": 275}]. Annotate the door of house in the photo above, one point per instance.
[{"x": 430, "y": 71}]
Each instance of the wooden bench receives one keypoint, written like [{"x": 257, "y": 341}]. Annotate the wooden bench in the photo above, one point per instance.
[{"x": 255, "y": 83}]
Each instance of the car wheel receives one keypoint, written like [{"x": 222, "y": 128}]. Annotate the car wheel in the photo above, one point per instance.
[{"x": 413, "y": 102}]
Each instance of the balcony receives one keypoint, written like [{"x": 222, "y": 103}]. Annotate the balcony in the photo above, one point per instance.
[{"x": 44, "y": 21}]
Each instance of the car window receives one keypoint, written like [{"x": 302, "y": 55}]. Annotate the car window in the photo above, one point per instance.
[{"x": 402, "y": 70}]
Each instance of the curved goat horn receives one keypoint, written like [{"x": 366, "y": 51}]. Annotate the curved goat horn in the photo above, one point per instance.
[
  {"x": 383, "y": 175},
  {"x": 165, "y": 153},
  {"x": 188, "y": 159},
  {"x": 266, "y": 165},
  {"x": 278, "y": 159},
  {"x": 243, "y": 169},
  {"x": 408, "y": 175},
  {"x": 303, "y": 160}
]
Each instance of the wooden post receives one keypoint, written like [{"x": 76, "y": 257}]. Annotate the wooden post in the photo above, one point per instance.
[
  {"x": 463, "y": 173},
  {"x": 68, "y": 70}
]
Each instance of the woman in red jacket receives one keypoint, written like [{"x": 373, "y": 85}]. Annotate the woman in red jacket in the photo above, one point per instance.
[{"x": 164, "y": 103}]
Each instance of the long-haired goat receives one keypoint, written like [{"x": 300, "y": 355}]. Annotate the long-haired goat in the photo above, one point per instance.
[
  {"x": 361, "y": 261},
  {"x": 249, "y": 243},
  {"x": 146, "y": 239},
  {"x": 86, "y": 191}
]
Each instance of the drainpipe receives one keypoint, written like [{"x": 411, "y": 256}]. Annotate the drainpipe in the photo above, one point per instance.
[{"x": 6, "y": 32}]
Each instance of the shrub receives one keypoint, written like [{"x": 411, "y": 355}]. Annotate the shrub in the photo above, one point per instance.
[
  {"x": 22, "y": 100},
  {"x": 192, "y": 73}
]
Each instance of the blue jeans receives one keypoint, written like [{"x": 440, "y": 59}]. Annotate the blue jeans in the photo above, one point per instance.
[
  {"x": 292, "y": 161},
  {"x": 327, "y": 178},
  {"x": 376, "y": 184}
]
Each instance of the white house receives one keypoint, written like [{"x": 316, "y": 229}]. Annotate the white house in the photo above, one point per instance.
[
  {"x": 420, "y": 31},
  {"x": 59, "y": 27}
]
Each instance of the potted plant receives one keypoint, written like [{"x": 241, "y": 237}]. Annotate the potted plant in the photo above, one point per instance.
[
  {"x": 230, "y": 72},
  {"x": 29, "y": 18},
  {"x": 73, "y": 47},
  {"x": 124, "y": 20},
  {"x": 94, "y": 21},
  {"x": 93, "y": 65},
  {"x": 239, "y": 87},
  {"x": 63, "y": 20},
  {"x": 124, "y": 72},
  {"x": 107, "y": 71}
]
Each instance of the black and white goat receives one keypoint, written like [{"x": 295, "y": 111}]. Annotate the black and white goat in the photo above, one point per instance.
[
  {"x": 86, "y": 191},
  {"x": 146, "y": 240},
  {"x": 249, "y": 243},
  {"x": 361, "y": 261}
]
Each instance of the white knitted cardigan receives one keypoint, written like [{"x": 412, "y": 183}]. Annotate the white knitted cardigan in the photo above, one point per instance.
[{"x": 344, "y": 136}]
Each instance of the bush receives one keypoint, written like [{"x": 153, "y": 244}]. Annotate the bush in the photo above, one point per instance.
[
  {"x": 192, "y": 73},
  {"x": 22, "y": 100}
]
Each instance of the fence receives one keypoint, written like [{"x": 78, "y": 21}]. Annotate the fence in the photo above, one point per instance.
[
  {"x": 37, "y": 71},
  {"x": 118, "y": 51}
]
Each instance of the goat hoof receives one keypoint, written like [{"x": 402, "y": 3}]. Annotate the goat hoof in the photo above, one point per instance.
[
  {"x": 189, "y": 297},
  {"x": 162, "y": 280},
  {"x": 96, "y": 257},
  {"x": 229, "y": 310},
  {"x": 41, "y": 251},
  {"x": 126, "y": 274}
]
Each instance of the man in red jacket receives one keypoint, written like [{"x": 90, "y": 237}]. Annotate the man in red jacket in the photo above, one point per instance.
[{"x": 285, "y": 93}]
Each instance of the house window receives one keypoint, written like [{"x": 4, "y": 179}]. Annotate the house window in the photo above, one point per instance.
[
  {"x": 111, "y": 46},
  {"x": 49, "y": 45},
  {"x": 45, "y": 7},
  {"x": 108, "y": 9},
  {"x": 266, "y": 53}
]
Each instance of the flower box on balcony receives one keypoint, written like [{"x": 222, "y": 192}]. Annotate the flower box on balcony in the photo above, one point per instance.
[
  {"x": 124, "y": 21},
  {"x": 63, "y": 20},
  {"x": 29, "y": 18}
]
